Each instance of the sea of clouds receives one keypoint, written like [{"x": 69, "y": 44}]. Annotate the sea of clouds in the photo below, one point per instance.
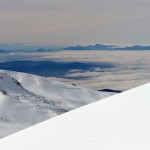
[{"x": 130, "y": 68}]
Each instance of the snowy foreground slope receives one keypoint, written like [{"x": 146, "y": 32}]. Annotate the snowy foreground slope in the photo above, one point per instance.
[
  {"x": 27, "y": 99},
  {"x": 120, "y": 122}
]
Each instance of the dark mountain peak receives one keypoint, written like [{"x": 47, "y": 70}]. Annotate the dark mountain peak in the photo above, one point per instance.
[
  {"x": 90, "y": 47},
  {"x": 107, "y": 47}
]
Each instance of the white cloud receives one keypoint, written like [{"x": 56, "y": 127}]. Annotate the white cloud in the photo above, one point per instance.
[{"x": 132, "y": 68}]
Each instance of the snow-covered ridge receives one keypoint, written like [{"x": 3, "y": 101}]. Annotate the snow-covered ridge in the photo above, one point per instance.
[
  {"x": 120, "y": 122},
  {"x": 12, "y": 88},
  {"x": 28, "y": 99}
]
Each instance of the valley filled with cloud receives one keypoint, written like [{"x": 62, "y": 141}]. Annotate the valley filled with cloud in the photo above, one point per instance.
[{"x": 120, "y": 70}]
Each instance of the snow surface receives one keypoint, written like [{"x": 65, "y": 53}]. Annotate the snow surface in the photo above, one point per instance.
[
  {"x": 28, "y": 99},
  {"x": 120, "y": 122}
]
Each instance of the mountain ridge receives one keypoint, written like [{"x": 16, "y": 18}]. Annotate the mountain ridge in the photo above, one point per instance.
[
  {"x": 118, "y": 122},
  {"x": 41, "y": 49},
  {"x": 26, "y": 100},
  {"x": 107, "y": 47}
]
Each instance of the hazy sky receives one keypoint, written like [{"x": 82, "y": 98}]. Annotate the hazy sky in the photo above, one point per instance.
[{"x": 61, "y": 22}]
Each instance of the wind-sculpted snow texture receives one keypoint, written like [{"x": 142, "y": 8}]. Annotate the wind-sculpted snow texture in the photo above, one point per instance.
[{"x": 27, "y": 99}]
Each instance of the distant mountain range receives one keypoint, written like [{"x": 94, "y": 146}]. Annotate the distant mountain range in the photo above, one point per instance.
[
  {"x": 135, "y": 47},
  {"x": 90, "y": 47},
  {"x": 45, "y": 49},
  {"x": 107, "y": 47}
]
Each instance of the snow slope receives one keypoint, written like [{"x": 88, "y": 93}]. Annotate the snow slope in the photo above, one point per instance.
[
  {"x": 27, "y": 99},
  {"x": 120, "y": 122}
]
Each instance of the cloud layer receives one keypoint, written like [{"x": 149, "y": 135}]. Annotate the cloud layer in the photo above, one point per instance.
[{"x": 131, "y": 68}]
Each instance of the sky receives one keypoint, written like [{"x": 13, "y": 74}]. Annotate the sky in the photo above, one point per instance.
[{"x": 71, "y": 22}]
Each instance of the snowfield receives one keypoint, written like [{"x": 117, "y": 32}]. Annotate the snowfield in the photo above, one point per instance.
[
  {"x": 120, "y": 122},
  {"x": 26, "y": 100}
]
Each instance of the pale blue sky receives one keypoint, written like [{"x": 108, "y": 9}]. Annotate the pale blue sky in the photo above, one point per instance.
[{"x": 70, "y": 22}]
